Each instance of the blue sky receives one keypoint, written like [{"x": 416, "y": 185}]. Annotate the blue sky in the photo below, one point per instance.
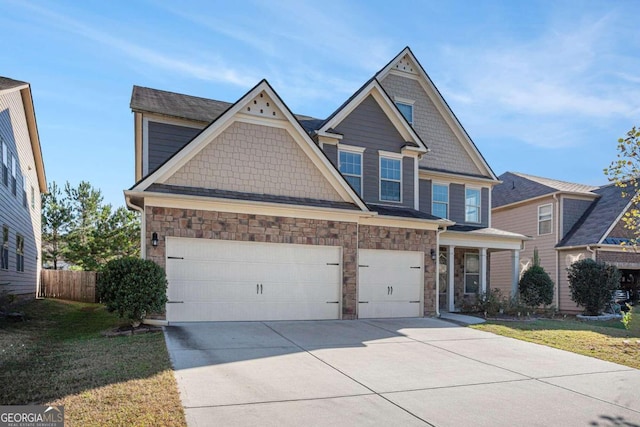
[{"x": 542, "y": 87}]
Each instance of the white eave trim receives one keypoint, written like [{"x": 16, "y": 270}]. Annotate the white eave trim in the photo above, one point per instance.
[{"x": 453, "y": 177}]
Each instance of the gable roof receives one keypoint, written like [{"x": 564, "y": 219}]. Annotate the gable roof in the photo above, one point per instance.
[
  {"x": 441, "y": 104},
  {"x": 10, "y": 85},
  {"x": 374, "y": 88},
  {"x": 594, "y": 225},
  {"x": 518, "y": 187},
  {"x": 182, "y": 156}
]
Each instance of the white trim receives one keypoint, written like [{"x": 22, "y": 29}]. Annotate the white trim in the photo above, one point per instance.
[
  {"x": 489, "y": 202},
  {"x": 402, "y": 100},
  {"x": 549, "y": 195},
  {"x": 550, "y": 205},
  {"x": 469, "y": 240},
  {"x": 479, "y": 189},
  {"x": 14, "y": 89},
  {"x": 451, "y": 277},
  {"x": 352, "y": 148},
  {"x": 455, "y": 178},
  {"x": 437, "y": 99},
  {"x": 356, "y": 151},
  {"x": 330, "y": 135},
  {"x": 400, "y": 222},
  {"x": 388, "y": 106},
  {"x": 387, "y": 157},
  {"x": 416, "y": 185},
  {"x": 232, "y": 115},
  {"x": 390, "y": 155},
  {"x": 444, "y": 184}
]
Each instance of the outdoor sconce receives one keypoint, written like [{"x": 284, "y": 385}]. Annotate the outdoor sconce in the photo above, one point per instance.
[
  {"x": 433, "y": 254},
  {"x": 154, "y": 239}
]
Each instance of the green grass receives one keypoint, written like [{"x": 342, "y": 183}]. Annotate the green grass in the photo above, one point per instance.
[
  {"x": 603, "y": 340},
  {"x": 58, "y": 356}
]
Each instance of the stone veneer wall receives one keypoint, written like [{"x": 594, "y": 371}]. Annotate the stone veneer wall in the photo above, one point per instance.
[
  {"x": 257, "y": 228},
  {"x": 393, "y": 238}
]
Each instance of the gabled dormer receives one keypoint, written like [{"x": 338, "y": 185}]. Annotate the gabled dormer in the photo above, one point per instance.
[{"x": 374, "y": 147}]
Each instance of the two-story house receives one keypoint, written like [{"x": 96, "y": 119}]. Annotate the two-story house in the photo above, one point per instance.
[
  {"x": 380, "y": 210},
  {"x": 22, "y": 180},
  {"x": 567, "y": 222}
]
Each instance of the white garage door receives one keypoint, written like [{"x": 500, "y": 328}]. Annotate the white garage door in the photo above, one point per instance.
[
  {"x": 390, "y": 283},
  {"x": 227, "y": 280}
]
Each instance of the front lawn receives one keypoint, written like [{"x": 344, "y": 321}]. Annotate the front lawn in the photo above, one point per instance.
[
  {"x": 603, "y": 340},
  {"x": 59, "y": 357}
]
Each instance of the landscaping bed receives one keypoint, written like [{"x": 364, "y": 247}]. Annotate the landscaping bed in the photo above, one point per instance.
[{"x": 59, "y": 356}]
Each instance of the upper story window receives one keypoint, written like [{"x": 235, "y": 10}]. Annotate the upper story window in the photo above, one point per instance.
[
  {"x": 440, "y": 200},
  {"x": 4, "y": 249},
  {"x": 545, "y": 217},
  {"x": 406, "y": 110},
  {"x": 14, "y": 188},
  {"x": 19, "y": 253},
  {"x": 390, "y": 179},
  {"x": 350, "y": 165},
  {"x": 33, "y": 198},
  {"x": 24, "y": 191},
  {"x": 472, "y": 205}
]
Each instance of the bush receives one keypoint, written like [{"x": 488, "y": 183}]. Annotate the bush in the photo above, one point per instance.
[
  {"x": 133, "y": 287},
  {"x": 490, "y": 303},
  {"x": 536, "y": 287},
  {"x": 591, "y": 284}
]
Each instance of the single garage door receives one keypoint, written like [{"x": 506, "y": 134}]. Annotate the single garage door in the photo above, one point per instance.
[
  {"x": 211, "y": 280},
  {"x": 390, "y": 283}
]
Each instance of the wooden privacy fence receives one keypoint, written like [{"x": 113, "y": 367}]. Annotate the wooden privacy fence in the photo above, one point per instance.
[{"x": 69, "y": 285}]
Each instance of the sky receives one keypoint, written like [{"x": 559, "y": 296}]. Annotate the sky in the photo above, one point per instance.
[{"x": 542, "y": 87}]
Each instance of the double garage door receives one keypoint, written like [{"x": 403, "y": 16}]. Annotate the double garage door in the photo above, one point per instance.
[{"x": 220, "y": 280}]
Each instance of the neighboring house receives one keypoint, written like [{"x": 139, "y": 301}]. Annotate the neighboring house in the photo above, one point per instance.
[
  {"x": 380, "y": 210},
  {"x": 568, "y": 222},
  {"x": 22, "y": 180}
]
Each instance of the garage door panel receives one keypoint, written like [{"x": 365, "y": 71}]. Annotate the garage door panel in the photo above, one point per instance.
[
  {"x": 212, "y": 280},
  {"x": 390, "y": 283}
]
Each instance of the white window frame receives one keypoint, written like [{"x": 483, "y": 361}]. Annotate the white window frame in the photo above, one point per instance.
[
  {"x": 5, "y": 156},
  {"x": 388, "y": 156},
  {"x": 479, "y": 206},
  {"x": 550, "y": 219},
  {"x": 466, "y": 273},
  {"x": 13, "y": 166},
  {"x": 433, "y": 202},
  {"x": 353, "y": 150}
]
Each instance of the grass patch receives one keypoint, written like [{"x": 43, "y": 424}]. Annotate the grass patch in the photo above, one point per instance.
[
  {"x": 58, "y": 356},
  {"x": 603, "y": 340}
]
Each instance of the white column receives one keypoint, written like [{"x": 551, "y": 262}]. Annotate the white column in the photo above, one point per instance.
[
  {"x": 451, "y": 276},
  {"x": 483, "y": 270},
  {"x": 515, "y": 271}
]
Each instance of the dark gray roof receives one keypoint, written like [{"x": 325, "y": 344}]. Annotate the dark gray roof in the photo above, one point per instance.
[
  {"x": 517, "y": 187},
  {"x": 595, "y": 222},
  {"x": 385, "y": 210},
  {"x": 7, "y": 83},
  {"x": 192, "y": 107},
  {"x": 236, "y": 195}
]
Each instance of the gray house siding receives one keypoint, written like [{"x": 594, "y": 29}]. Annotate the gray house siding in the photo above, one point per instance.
[
  {"x": 425, "y": 195},
  {"x": 165, "y": 140},
  {"x": 332, "y": 153},
  {"x": 368, "y": 126},
  {"x": 572, "y": 210},
  {"x": 20, "y": 219}
]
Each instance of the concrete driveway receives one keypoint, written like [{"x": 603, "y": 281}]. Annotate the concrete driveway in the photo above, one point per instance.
[{"x": 392, "y": 372}]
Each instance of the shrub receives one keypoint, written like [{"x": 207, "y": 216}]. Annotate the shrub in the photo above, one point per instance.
[
  {"x": 591, "y": 284},
  {"x": 133, "y": 287},
  {"x": 490, "y": 303},
  {"x": 536, "y": 287}
]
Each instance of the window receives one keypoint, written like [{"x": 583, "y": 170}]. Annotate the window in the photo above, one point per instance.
[
  {"x": 545, "y": 216},
  {"x": 390, "y": 179},
  {"x": 24, "y": 191},
  {"x": 440, "y": 200},
  {"x": 406, "y": 110},
  {"x": 350, "y": 165},
  {"x": 472, "y": 205},
  {"x": 471, "y": 273},
  {"x": 14, "y": 190},
  {"x": 5, "y": 165},
  {"x": 33, "y": 198},
  {"x": 19, "y": 253}
]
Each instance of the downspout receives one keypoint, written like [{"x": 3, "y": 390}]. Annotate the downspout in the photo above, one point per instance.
[
  {"x": 143, "y": 220},
  {"x": 593, "y": 252},
  {"x": 437, "y": 271},
  {"x": 557, "y": 266}
]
